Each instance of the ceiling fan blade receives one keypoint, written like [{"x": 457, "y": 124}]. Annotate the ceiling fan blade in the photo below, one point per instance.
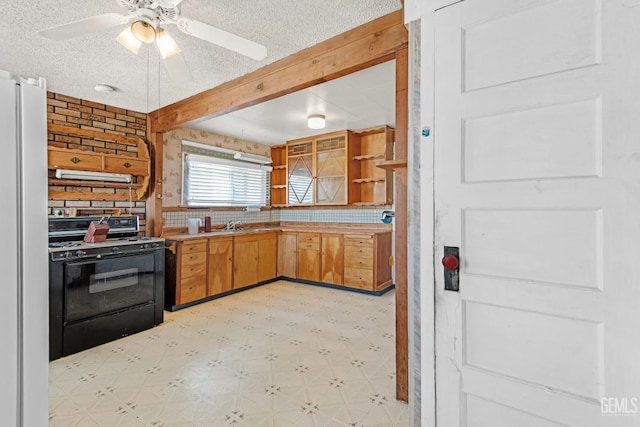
[
  {"x": 222, "y": 38},
  {"x": 177, "y": 68},
  {"x": 170, "y": 3},
  {"x": 84, "y": 26}
]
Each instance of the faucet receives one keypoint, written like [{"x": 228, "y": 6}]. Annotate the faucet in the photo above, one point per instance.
[{"x": 232, "y": 225}]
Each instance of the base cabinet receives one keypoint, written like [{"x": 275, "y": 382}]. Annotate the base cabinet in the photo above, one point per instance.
[
  {"x": 332, "y": 259},
  {"x": 287, "y": 254},
  {"x": 367, "y": 261},
  {"x": 186, "y": 278},
  {"x": 197, "y": 269},
  {"x": 220, "y": 266},
  {"x": 309, "y": 256},
  {"x": 254, "y": 258}
]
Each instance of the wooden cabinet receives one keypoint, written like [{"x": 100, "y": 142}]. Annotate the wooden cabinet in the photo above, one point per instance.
[
  {"x": 254, "y": 258},
  {"x": 267, "y": 254},
  {"x": 309, "y": 256},
  {"x": 369, "y": 184},
  {"x": 135, "y": 162},
  {"x": 287, "y": 254},
  {"x": 279, "y": 175},
  {"x": 60, "y": 158},
  {"x": 367, "y": 261},
  {"x": 331, "y": 169},
  {"x": 126, "y": 165},
  {"x": 300, "y": 173},
  {"x": 332, "y": 259},
  {"x": 317, "y": 170},
  {"x": 220, "y": 265},
  {"x": 186, "y": 278}
]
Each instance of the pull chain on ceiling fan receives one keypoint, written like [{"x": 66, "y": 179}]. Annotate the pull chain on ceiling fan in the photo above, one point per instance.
[{"x": 146, "y": 19}]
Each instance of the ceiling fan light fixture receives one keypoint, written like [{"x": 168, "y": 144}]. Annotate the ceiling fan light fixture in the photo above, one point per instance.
[
  {"x": 128, "y": 40},
  {"x": 166, "y": 45},
  {"x": 316, "y": 121},
  {"x": 143, "y": 31}
]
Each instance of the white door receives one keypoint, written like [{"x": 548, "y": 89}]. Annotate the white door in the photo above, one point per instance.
[{"x": 537, "y": 181}]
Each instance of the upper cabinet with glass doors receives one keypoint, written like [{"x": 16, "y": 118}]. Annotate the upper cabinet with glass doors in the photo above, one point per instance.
[
  {"x": 317, "y": 170},
  {"x": 337, "y": 168}
]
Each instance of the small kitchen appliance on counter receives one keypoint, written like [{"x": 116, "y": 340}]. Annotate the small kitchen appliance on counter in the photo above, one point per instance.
[{"x": 102, "y": 291}]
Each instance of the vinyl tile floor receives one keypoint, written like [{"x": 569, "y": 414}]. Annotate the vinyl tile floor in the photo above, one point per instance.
[{"x": 282, "y": 354}]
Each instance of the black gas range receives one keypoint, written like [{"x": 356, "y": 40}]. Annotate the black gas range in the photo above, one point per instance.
[{"x": 99, "y": 292}]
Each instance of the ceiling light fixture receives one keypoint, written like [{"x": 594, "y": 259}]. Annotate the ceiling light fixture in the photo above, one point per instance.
[
  {"x": 137, "y": 33},
  {"x": 143, "y": 31},
  {"x": 103, "y": 88},
  {"x": 316, "y": 121},
  {"x": 166, "y": 45}
]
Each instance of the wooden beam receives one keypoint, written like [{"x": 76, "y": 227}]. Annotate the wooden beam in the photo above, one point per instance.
[
  {"x": 370, "y": 44},
  {"x": 400, "y": 197},
  {"x": 153, "y": 212}
]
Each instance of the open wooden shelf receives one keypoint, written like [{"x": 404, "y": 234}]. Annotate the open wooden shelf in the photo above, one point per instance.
[
  {"x": 364, "y": 180},
  {"x": 369, "y": 185},
  {"x": 279, "y": 175},
  {"x": 368, "y": 157},
  {"x": 398, "y": 166}
]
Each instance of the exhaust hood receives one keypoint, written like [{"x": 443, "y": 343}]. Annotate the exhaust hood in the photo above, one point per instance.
[{"x": 93, "y": 176}]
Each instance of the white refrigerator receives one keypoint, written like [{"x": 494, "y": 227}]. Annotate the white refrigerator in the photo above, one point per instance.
[{"x": 24, "y": 277}]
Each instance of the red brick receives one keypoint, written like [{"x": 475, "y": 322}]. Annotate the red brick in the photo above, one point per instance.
[
  {"x": 65, "y": 98},
  {"x": 67, "y": 112},
  {"x": 103, "y": 125},
  {"x": 103, "y": 113},
  {"x": 79, "y": 107},
  {"x": 93, "y": 104},
  {"x": 56, "y": 103},
  {"x": 116, "y": 109}
]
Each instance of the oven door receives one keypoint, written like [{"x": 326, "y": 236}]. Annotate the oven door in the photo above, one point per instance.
[{"x": 100, "y": 286}]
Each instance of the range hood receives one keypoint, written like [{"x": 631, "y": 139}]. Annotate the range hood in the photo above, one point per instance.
[{"x": 93, "y": 176}]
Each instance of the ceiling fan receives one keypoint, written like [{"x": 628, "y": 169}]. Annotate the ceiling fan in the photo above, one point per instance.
[{"x": 147, "y": 19}]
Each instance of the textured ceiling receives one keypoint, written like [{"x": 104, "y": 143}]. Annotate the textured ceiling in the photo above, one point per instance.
[{"x": 73, "y": 67}]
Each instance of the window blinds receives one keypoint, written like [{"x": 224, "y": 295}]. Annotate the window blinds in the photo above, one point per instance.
[{"x": 215, "y": 181}]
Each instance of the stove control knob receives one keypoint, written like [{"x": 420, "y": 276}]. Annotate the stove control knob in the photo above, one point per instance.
[
  {"x": 115, "y": 249},
  {"x": 80, "y": 252},
  {"x": 66, "y": 254},
  {"x": 146, "y": 245}
]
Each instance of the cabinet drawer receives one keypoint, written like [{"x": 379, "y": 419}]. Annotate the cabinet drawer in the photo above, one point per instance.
[
  {"x": 192, "y": 288},
  {"x": 358, "y": 278},
  {"x": 309, "y": 241},
  {"x": 358, "y": 262},
  {"x": 309, "y": 246},
  {"x": 358, "y": 240},
  {"x": 194, "y": 246},
  {"x": 358, "y": 252},
  {"x": 199, "y": 270},
  {"x": 193, "y": 258},
  {"x": 131, "y": 165},
  {"x": 81, "y": 161}
]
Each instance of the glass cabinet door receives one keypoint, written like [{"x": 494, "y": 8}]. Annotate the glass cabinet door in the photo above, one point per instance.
[
  {"x": 331, "y": 170},
  {"x": 300, "y": 173}
]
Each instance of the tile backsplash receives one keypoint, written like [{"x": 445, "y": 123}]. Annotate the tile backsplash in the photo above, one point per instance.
[{"x": 360, "y": 216}]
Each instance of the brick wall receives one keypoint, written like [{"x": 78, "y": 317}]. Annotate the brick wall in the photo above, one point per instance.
[{"x": 74, "y": 112}]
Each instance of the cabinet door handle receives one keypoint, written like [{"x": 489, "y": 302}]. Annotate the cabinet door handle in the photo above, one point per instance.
[
  {"x": 75, "y": 160},
  {"x": 127, "y": 165}
]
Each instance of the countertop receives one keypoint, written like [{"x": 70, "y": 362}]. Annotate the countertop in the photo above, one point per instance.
[{"x": 340, "y": 229}]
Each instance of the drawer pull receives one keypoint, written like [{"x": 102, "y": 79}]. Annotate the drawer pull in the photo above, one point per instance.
[
  {"x": 127, "y": 165},
  {"x": 75, "y": 160}
]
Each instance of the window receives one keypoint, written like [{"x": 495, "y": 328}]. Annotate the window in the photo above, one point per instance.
[{"x": 217, "y": 179}]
